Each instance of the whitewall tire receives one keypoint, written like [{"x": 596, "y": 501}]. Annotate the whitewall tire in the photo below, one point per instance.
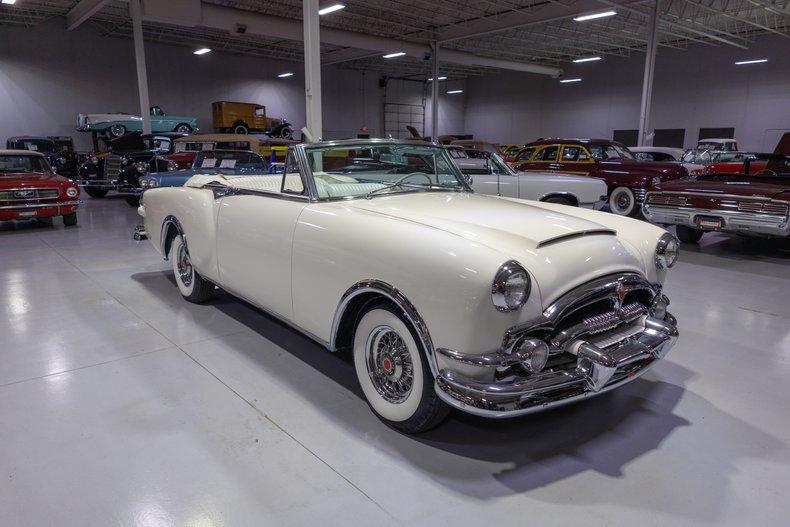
[
  {"x": 193, "y": 287},
  {"x": 622, "y": 201},
  {"x": 394, "y": 374}
]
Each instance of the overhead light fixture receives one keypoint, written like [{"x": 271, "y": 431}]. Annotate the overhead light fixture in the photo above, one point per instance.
[
  {"x": 440, "y": 78},
  {"x": 202, "y": 51},
  {"x": 593, "y": 16},
  {"x": 331, "y": 9},
  {"x": 586, "y": 59},
  {"x": 393, "y": 55},
  {"x": 9, "y": 2},
  {"x": 451, "y": 92},
  {"x": 566, "y": 81},
  {"x": 755, "y": 61},
  {"x": 286, "y": 74}
]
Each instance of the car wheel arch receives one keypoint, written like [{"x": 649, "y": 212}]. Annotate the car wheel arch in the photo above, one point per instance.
[
  {"x": 171, "y": 228},
  {"x": 353, "y": 305},
  {"x": 564, "y": 195}
]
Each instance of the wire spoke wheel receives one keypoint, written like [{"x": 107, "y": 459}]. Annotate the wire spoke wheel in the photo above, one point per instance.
[{"x": 389, "y": 364}]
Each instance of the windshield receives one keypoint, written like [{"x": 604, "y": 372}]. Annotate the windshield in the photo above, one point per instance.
[
  {"x": 20, "y": 163},
  {"x": 610, "y": 151},
  {"x": 365, "y": 168},
  {"x": 161, "y": 144},
  {"x": 35, "y": 145},
  {"x": 230, "y": 161}
]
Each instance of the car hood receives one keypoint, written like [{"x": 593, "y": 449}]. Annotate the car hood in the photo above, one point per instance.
[
  {"x": 488, "y": 219},
  {"x": 748, "y": 186},
  {"x": 31, "y": 179},
  {"x": 549, "y": 243}
]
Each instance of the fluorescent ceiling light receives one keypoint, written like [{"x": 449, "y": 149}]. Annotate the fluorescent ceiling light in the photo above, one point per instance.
[
  {"x": 286, "y": 74},
  {"x": 202, "y": 51},
  {"x": 393, "y": 55},
  {"x": 755, "y": 61},
  {"x": 9, "y": 2},
  {"x": 565, "y": 81},
  {"x": 331, "y": 9},
  {"x": 594, "y": 16},
  {"x": 586, "y": 59},
  {"x": 440, "y": 78},
  {"x": 455, "y": 91}
]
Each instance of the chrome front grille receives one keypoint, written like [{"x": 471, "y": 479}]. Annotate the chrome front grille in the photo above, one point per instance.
[
  {"x": 639, "y": 194},
  {"x": 763, "y": 207},
  {"x": 112, "y": 166},
  {"x": 668, "y": 199},
  {"x": 610, "y": 320},
  {"x": 24, "y": 195}
]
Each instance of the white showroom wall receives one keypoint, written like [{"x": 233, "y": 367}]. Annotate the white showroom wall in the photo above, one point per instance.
[
  {"x": 49, "y": 75},
  {"x": 699, "y": 87}
]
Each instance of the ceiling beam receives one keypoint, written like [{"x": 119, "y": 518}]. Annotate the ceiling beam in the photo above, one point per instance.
[
  {"x": 82, "y": 12},
  {"x": 737, "y": 18}
]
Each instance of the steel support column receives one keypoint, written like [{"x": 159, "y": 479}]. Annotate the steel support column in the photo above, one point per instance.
[
  {"x": 435, "y": 91},
  {"x": 312, "y": 68},
  {"x": 647, "y": 81},
  {"x": 139, "y": 57}
]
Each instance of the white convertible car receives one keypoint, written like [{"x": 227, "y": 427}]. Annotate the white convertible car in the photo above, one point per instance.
[{"x": 492, "y": 305}]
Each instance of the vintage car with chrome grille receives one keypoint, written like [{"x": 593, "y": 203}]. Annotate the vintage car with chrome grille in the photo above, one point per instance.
[
  {"x": 749, "y": 204},
  {"x": 30, "y": 189},
  {"x": 128, "y": 158},
  {"x": 117, "y": 124},
  {"x": 627, "y": 178},
  {"x": 445, "y": 298}
]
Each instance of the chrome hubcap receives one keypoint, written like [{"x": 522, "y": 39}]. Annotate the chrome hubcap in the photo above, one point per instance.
[
  {"x": 623, "y": 201},
  {"x": 389, "y": 364},
  {"x": 184, "y": 265}
]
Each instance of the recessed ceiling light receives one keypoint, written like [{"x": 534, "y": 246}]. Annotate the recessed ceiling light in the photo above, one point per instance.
[
  {"x": 393, "y": 55},
  {"x": 9, "y": 2},
  {"x": 594, "y": 16},
  {"x": 451, "y": 92},
  {"x": 586, "y": 59},
  {"x": 440, "y": 78},
  {"x": 755, "y": 61},
  {"x": 331, "y": 9},
  {"x": 565, "y": 81},
  {"x": 202, "y": 51},
  {"x": 286, "y": 74}
]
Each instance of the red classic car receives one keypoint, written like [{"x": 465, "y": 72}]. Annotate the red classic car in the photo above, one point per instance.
[
  {"x": 751, "y": 205},
  {"x": 627, "y": 178},
  {"x": 29, "y": 189},
  {"x": 733, "y": 163}
]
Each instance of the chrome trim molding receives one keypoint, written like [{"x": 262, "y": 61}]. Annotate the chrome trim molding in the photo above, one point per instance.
[
  {"x": 740, "y": 222},
  {"x": 168, "y": 221},
  {"x": 390, "y": 292},
  {"x": 56, "y": 204},
  {"x": 506, "y": 270}
]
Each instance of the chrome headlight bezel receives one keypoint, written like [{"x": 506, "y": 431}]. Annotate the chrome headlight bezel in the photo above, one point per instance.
[
  {"x": 506, "y": 292},
  {"x": 667, "y": 251},
  {"x": 141, "y": 167},
  {"x": 148, "y": 182},
  {"x": 72, "y": 192}
]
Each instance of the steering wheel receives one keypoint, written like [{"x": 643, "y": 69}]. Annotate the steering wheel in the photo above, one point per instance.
[{"x": 407, "y": 176}]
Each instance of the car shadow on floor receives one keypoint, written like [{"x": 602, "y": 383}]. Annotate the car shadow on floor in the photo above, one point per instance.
[{"x": 639, "y": 414}]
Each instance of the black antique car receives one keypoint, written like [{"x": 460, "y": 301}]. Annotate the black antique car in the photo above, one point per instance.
[
  {"x": 127, "y": 159},
  {"x": 59, "y": 151}
]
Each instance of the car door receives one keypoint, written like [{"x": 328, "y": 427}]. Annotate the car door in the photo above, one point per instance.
[
  {"x": 575, "y": 159},
  {"x": 255, "y": 236},
  {"x": 545, "y": 159},
  {"x": 497, "y": 180}
]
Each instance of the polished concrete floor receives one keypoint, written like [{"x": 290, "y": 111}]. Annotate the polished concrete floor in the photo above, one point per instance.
[{"x": 122, "y": 404}]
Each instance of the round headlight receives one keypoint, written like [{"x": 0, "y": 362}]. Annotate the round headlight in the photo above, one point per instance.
[
  {"x": 533, "y": 353},
  {"x": 656, "y": 181},
  {"x": 141, "y": 167},
  {"x": 511, "y": 287},
  {"x": 72, "y": 192},
  {"x": 667, "y": 251},
  {"x": 124, "y": 161},
  {"x": 171, "y": 165},
  {"x": 147, "y": 182}
]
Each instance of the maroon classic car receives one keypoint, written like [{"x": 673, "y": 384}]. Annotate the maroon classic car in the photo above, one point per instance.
[
  {"x": 29, "y": 189},
  {"x": 751, "y": 205},
  {"x": 627, "y": 178}
]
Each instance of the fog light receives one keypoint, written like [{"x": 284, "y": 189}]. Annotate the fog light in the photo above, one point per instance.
[
  {"x": 533, "y": 354},
  {"x": 659, "y": 307}
]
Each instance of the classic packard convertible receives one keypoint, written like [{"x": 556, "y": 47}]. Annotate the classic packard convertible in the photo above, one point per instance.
[{"x": 446, "y": 299}]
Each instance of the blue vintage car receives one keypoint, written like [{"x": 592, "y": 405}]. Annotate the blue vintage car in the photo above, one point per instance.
[
  {"x": 226, "y": 162},
  {"x": 118, "y": 124}
]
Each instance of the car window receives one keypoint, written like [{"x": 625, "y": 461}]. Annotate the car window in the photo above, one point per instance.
[
  {"x": 19, "y": 163},
  {"x": 476, "y": 154},
  {"x": 292, "y": 179},
  {"x": 548, "y": 153},
  {"x": 232, "y": 145},
  {"x": 457, "y": 153},
  {"x": 260, "y": 111},
  {"x": 574, "y": 153},
  {"x": 525, "y": 153}
]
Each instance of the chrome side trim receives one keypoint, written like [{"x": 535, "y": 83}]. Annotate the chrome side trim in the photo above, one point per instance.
[
  {"x": 168, "y": 221},
  {"x": 390, "y": 292}
]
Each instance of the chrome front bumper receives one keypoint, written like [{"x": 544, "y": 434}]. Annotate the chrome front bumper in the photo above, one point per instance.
[
  {"x": 28, "y": 206},
  {"x": 104, "y": 184},
  {"x": 749, "y": 223}
]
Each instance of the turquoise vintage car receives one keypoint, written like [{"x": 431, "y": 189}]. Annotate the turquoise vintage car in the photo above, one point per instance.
[{"x": 117, "y": 124}]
